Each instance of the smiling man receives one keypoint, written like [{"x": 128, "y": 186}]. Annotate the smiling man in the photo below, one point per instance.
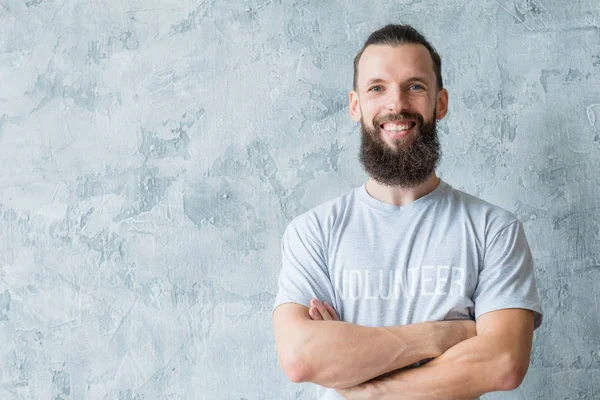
[{"x": 404, "y": 287}]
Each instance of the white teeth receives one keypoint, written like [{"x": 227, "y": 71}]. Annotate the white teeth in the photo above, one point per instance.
[{"x": 394, "y": 127}]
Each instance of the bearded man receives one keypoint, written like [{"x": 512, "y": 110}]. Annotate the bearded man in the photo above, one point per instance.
[{"x": 404, "y": 287}]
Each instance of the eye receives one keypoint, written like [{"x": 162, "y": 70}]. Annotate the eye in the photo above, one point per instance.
[
  {"x": 416, "y": 87},
  {"x": 377, "y": 88}
]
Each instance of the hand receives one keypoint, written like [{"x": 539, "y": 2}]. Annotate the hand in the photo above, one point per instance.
[{"x": 322, "y": 311}]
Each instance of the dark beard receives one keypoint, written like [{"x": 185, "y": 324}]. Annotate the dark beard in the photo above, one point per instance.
[{"x": 410, "y": 163}]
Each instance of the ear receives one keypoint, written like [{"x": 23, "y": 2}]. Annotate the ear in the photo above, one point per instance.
[
  {"x": 442, "y": 104},
  {"x": 355, "y": 111}
]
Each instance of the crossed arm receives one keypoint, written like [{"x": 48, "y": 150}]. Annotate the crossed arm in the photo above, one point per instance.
[
  {"x": 496, "y": 358},
  {"x": 338, "y": 354}
]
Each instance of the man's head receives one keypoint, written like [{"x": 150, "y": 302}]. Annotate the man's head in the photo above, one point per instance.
[{"x": 398, "y": 95}]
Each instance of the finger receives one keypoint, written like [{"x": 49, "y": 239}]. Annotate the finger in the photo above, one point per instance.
[
  {"x": 331, "y": 311},
  {"x": 324, "y": 313},
  {"x": 314, "y": 314}
]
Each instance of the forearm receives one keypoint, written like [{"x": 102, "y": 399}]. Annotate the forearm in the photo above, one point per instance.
[
  {"x": 338, "y": 354},
  {"x": 468, "y": 370}
]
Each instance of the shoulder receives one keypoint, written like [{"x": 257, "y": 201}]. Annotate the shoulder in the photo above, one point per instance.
[
  {"x": 490, "y": 217},
  {"x": 320, "y": 220}
]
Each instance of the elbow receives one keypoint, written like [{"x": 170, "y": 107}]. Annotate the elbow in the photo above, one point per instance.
[
  {"x": 295, "y": 368},
  {"x": 296, "y": 373},
  {"x": 299, "y": 370},
  {"x": 513, "y": 372}
]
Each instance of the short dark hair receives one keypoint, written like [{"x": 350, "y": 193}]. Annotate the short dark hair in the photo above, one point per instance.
[{"x": 395, "y": 35}]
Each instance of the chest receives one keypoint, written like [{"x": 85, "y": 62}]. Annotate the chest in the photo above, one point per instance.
[{"x": 390, "y": 273}]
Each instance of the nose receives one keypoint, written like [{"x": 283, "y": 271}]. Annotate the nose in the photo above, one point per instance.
[{"x": 398, "y": 101}]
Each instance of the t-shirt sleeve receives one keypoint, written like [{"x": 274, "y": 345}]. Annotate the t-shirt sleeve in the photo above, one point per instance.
[
  {"x": 303, "y": 273},
  {"x": 507, "y": 277}
]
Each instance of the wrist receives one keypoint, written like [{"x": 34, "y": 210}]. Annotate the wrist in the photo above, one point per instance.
[
  {"x": 422, "y": 341},
  {"x": 441, "y": 333},
  {"x": 432, "y": 340}
]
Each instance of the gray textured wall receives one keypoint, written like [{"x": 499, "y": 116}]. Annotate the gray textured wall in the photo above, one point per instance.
[{"x": 152, "y": 152}]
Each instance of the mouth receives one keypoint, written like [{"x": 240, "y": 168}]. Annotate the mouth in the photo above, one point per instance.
[{"x": 397, "y": 129}]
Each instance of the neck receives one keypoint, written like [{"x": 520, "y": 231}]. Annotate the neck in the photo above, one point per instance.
[{"x": 401, "y": 196}]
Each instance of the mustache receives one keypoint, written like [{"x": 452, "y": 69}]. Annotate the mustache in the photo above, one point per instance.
[{"x": 401, "y": 116}]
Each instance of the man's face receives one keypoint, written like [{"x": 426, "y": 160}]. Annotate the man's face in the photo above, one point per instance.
[{"x": 397, "y": 102}]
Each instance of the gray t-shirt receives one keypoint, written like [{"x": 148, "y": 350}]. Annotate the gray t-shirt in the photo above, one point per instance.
[{"x": 447, "y": 255}]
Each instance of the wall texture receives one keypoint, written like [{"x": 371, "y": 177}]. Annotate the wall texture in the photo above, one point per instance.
[{"x": 152, "y": 152}]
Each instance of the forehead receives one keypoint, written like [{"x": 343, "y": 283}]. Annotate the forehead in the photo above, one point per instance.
[{"x": 395, "y": 63}]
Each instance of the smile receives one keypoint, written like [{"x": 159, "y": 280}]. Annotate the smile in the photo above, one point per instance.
[{"x": 397, "y": 128}]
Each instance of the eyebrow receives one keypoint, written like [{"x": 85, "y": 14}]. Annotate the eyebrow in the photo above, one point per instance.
[{"x": 411, "y": 79}]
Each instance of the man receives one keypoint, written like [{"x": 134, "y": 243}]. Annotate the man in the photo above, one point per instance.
[{"x": 392, "y": 274}]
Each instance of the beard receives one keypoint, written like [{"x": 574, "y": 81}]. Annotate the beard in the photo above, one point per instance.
[{"x": 413, "y": 159}]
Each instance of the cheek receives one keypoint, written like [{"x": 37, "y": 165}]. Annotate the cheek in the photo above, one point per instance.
[
  {"x": 426, "y": 107},
  {"x": 370, "y": 122},
  {"x": 370, "y": 113},
  {"x": 429, "y": 114}
]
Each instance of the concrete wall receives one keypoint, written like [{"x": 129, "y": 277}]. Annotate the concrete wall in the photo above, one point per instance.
[{"x": 152, "y": 152}]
